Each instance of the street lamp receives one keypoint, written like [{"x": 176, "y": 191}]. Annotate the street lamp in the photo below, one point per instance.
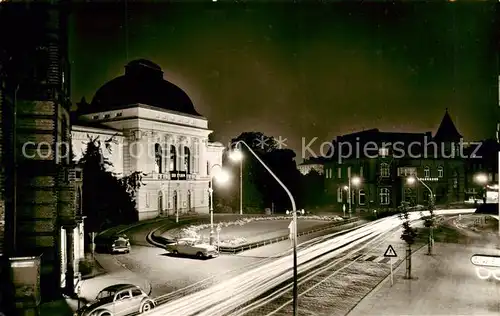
[
  {"x": 222, "y": 177},
  {"x": 411, "y": 180},
  {"x": 294, "y": 226},
  {"x": 352, "y": 181},
  {"x": 236, "y": 155}
]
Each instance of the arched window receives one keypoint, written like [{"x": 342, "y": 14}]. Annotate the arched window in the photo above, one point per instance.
[
  {"x": 362, "y": 197},
  {"x": 173, "y": 158},
  {"x": 385, "y": 196},
  {"x": 158, "y": 159},
  {"x": 187, "y": 160},
  {"x": 339, "y": 195},
  {"x": 384, "y": 170},
  {"x": 78, "y": 201},
  {"x": 440, "y": 172},
  {"x": 427, "y": 172},
  {"x": 208, "y": 168}
]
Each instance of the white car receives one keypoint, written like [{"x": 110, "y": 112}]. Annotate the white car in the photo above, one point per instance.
[{"x": 193, "y": 247}]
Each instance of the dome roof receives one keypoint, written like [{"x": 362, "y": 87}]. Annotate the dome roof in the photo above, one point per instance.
[{"x": 142, "y": 83}]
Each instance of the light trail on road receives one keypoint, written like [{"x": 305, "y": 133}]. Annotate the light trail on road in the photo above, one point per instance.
[{"x": 222, "y": 298}]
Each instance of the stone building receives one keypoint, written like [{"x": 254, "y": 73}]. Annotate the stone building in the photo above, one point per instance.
[
  {"x": 157, "y": 131},
  {"x": 40, "y": 185},
  {"x": 383, "y": 161}
]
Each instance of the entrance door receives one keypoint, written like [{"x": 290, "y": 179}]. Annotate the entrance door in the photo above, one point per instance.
[{"x": 160, "y": 203}]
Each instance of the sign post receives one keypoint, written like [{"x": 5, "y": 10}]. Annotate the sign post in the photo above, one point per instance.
[
  {"x": 218, "y": 237},
  {"x": 390, "y": 253},
  {"x": 290, "y": 232}
]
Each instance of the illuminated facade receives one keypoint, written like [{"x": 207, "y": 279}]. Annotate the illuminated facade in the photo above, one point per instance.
[{"x": 157, "y": 131}]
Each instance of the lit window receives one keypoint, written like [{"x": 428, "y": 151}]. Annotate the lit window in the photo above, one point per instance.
[
  {"x": 384, "y": 170},
  {"x": 427, "y": 172},
  {"x": 339, "y": 195},
  {"x": 173, "y": 158},
  {"x": 440, "y": 172},
  {"x": 339, "y": 173},
  {"x": 361, "y": 171},
  {"x": 158, "y": 159},
  {"x": 385, "y": 196},
  {"x": 362, "y": 197}
]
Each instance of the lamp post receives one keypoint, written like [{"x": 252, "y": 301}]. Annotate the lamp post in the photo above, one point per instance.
[
  {"x": 352, "y": 181},
  {"x": 221, "y": 177},
  {"x": 238, "y": 156},
  {"x": 411, "y": 180},
  {"x": 294, "y": 225}
]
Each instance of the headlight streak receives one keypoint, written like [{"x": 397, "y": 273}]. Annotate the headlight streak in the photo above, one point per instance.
[
  {"x": 227, "y": 291},
  {"x": 207, "y": 282}
]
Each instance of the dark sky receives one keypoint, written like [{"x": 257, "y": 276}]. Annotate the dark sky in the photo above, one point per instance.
[{"x": 304, "y": 70}]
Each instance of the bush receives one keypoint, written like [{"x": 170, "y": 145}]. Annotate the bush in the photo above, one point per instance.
[{"x": 86, "y": 266}]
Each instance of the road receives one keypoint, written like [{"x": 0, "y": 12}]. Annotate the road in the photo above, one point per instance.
[
  {"x": 227, "y": 295},
  {"x": 168, "y": 274}
]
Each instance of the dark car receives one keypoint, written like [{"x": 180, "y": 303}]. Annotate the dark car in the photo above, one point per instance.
[{"x": 113, "y": 244}]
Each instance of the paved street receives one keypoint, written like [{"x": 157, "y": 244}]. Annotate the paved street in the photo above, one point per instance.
[{"x": 446, "y": 284}]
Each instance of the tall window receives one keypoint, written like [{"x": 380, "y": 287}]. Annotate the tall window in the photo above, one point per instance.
[
  {"x": 440, "y": 172},
  {"x": 173, "y": 158},
  {"x": 187, "y": 160},
  {"x": 208, "y": 168},
  {"x": 384, "y": 170},
  {"x": 339, "y": 173},
  {"x": 385, "y": 196},
  {"x": 362, "y": 197},
  {"x": 427, "y": 172},
  {"x": 158, "y": 159},
  {"x": 339, "y": 195}
]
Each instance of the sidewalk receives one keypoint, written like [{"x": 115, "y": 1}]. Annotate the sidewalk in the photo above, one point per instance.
[{"x": 444, "y": 284}]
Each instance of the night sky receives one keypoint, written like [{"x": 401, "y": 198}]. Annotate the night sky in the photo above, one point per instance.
[{"x": 304, "y": 70}]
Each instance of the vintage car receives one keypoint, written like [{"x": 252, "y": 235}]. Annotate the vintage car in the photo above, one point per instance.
[
  {"x": 118, "y": 300},
  {"x": 192, "y": 247},
  {"x": 113, "y": 244}
]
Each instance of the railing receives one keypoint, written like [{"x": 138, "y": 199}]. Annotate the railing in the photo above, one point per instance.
[{"x": 171, "y": 175}]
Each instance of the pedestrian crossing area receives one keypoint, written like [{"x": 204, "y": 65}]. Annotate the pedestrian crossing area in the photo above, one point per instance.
[{"x": 373, "y": 258}]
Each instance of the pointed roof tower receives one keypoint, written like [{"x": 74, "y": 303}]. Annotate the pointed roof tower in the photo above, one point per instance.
[{"x": 447, "y": 130}]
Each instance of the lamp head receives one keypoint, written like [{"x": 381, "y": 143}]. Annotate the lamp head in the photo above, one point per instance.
[
  {"x": 287, "y": 212},
  {"x": 222, "y": 176},
  {"x": 481, "y": 178},
  {"x": 346, "y": 187},
  {"x": 302, "y": 211},
  {"x": 236, "y": 155},
  {"x": 411, "y": 180},
  {"x": 356, "y": 181}
]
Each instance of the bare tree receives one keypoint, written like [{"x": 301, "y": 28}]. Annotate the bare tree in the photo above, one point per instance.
[{"x": 409, "y": 234}]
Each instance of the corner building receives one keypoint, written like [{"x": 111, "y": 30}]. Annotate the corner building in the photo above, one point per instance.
[{"x": 157, "y": 131}]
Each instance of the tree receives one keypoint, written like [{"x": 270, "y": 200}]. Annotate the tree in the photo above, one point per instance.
[
  {"x": 107, "y": 200},
  {"x": 409, "y": 234},
  {"x": 430, "y": 222},
  {"x": 312, "y": 188}
]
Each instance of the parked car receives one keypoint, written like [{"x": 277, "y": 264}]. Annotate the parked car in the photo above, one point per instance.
[
  {"x": 118, "y": 300},
  {"x": 193, "y": 247},
  {"x": 113, "y": 244}
]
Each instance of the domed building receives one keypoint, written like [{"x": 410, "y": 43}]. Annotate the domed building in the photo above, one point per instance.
[{"x": 156, "y": 130}]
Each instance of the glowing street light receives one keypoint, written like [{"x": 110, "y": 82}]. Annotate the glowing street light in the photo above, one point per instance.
[
  {"x": 411, "y": 180},
  {"x": 237, "y": 155},
  {"x": 481, "y": 178},
  {"x": 222, "y": 176}
]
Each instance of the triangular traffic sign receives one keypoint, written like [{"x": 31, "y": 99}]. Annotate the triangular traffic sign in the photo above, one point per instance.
[{"x": 390, "y": 252}]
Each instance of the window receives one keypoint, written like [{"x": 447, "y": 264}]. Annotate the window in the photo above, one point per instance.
[
  {"x": 208, "y": 168},
  {"x": 173, "y": 158},
  {"x": 427, "y": 172},
  {"x": 384, "y": 196},
  {"x": 440, "y": 172},
  {"x": 136, "y": 292},
  {"x": 339, "y": 173},
  {"x": 362, "y": 197},
  {"x": 339, "y": 195},
  {"x": 123, "y": 295},
  {"x": 119, "y": 114},
  {"x": 106, "y": 116},
  {"x": 187, "y": 160},
  {"x": 384, "y": 151},
  {"x": 361, "y": 171},
  {"x": 158, "y": 159},
  {"x": 95, "y": 117},
  {"x": 384, "y": 170}
]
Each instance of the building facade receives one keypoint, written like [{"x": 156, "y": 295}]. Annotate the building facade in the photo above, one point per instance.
[
  {"x": 157, "y": 131},
  {"x": 379, "y": 164},
  {"x": 40, "y": 186}
]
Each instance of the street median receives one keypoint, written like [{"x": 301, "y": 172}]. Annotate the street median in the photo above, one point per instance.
[{"x": 158, "y": 239}]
